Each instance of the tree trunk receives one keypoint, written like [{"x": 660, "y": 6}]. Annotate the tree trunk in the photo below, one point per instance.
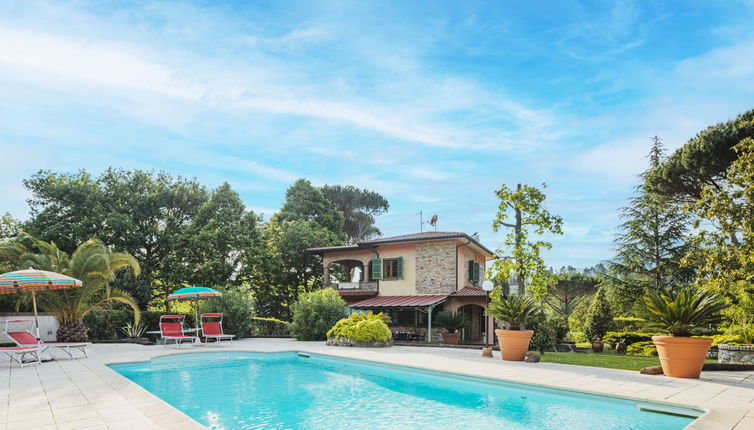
[
  {"x": 72, "y": 331},
  {"x": 519, "y": 274}
]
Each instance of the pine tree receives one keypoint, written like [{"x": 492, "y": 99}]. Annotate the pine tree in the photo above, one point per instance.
[
  {"x": 652, "y": 241},
  {"x": 599, "y": 317}
]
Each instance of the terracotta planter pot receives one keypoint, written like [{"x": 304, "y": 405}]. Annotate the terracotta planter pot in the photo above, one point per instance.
[
  {"x": 514, "y": 344},
  {"x": 450, "y": 338},
  {"x": 598, "y": 346},
  {"x": 682, "y": 357}
]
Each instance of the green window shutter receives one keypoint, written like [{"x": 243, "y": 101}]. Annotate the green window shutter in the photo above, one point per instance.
[
  {"x": 376, "y": 268},
  {"x": 399, "y": 267},
  {"x": 471, "y": 270},
  {"x": 477, "y": 271}
]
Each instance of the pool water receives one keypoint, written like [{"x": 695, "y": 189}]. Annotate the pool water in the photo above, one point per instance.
[{"x": 245, "y": 390}]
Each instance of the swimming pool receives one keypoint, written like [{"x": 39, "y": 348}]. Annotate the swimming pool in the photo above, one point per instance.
[{"x": 246, "y": 390}]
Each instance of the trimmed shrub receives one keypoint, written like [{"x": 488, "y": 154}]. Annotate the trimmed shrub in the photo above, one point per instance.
[
  {"x": 237, "y": 308},
  {"x": 730, "y": 339},
  {"x": 629, "y": 323},
  {"x": 642, "y": 348},
  {"x": 629, "y": 337},
  {"x": 362, "y": 328},
  {"x": 315, "y": 313},
  {"x": 599, "y": 318},
  {"x": 544, "y": 333},
  {"x": 271, "y": 327}
]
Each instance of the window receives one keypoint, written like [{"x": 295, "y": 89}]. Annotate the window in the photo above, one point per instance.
[
  {"x": 392, "y": 268},
  {"x": 475, "y": 271}
]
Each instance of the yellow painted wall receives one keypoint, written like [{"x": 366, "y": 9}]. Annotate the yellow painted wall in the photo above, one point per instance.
[{"x": 407, "y": 285}]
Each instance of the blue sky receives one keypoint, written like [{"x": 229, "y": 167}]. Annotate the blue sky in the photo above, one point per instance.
[{"x": 433, "y": 104}]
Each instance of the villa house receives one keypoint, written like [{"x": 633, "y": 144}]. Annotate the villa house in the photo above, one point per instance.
[{"x": 412, "y": 278}]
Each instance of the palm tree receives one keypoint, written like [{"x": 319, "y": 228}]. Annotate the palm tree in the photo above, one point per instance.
[{"x": 92, "y": 262}]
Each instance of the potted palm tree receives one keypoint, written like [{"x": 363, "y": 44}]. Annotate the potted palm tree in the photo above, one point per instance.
[
  {"x": 681, "y": 355},
  {"x": 451, "y": 322},
  {"x": 513, "y": 312}
]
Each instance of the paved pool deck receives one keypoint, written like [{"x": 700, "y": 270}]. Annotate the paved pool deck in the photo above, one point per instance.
[{"x": 86, "y": 394}]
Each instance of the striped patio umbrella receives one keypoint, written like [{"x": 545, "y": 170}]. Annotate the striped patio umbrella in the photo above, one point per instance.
[
  {"x": 31, "y": 280},
  {"x": 194, "y": 294}
]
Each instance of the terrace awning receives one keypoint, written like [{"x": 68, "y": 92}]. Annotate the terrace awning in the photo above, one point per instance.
[
  {"x": 422, "y": 301},
  {"x": 428, "y": 301}
]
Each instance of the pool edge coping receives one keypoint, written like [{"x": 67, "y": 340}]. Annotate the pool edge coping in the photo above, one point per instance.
[{"x": 701, "y": 420}]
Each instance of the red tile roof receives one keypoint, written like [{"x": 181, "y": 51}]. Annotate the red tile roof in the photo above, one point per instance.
[
  {"x": 427, "y": 235},
  {"x": 399, "y": 301},
  {"x": 469, "y": 292}
]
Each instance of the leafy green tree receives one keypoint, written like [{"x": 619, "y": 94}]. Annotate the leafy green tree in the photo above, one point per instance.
[
  {"x": 222, "y": 234},
  {"x": 726, "y": 255},
  {"x": 652, "y": 241},
  {"x": 304, "y": 202},
  {"x": 9, "y": 227},
  {"x": 522, "y": 211},
  {"x": 315, "y": 313},
  {"x": 359, "y": 208},
  {"x": 92, "y": 262},
  {"x": 568, "y": 290},
  {"x": 306, "y": 220},
  {"x": 702, "y": 162},
  {"x": 598, "y": 319},
  {"x": 177, "y": 230}
]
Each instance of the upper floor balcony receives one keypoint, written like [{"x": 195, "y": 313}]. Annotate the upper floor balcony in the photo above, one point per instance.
[{"x": 352, "y": 286}]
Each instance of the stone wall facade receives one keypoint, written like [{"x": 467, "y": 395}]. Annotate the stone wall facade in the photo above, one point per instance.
[
  {"x": 735, "y": 354},
  {"x": 435, "y": 267}
]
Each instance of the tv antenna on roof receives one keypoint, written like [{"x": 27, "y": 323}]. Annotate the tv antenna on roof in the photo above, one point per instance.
[{"x": 432, "y": 221}]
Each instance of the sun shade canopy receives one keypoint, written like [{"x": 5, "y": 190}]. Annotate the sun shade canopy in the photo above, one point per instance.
[
  {"x": 24, "y": 281},
  {"x": 400, "y": 301},
  {"x": 194, "y": 293}
]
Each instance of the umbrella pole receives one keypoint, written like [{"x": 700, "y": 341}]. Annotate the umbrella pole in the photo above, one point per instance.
[
  {"x": 36, "y": 318},
  {"x": 196, "y": 319}
]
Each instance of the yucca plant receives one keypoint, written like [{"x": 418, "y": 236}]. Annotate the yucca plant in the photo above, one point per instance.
[
  {"x": 134, "y": 331},
  {"x": 513, "y": 311},
  {"x": 680, "y": 313},
  {"x": 450, "y": 321},
  {"x": 92, "y": 262}
]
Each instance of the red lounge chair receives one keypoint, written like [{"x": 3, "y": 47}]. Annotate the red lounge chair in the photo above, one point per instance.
[
  {"x": 173, "y": 329},
  {"x": 17, "y": 354},
  {"x": 214, "y": 329},
  {"x": 26, "y": 339}
]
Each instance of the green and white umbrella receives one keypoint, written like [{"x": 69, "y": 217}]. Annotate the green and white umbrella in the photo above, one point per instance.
[{"x": 31, "y": 280}]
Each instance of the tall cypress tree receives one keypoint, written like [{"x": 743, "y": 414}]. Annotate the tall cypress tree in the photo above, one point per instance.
[{"x": 651, "y": 241}]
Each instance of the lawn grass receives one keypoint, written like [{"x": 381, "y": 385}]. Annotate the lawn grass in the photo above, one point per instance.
[{"x": 604, "y": 359}]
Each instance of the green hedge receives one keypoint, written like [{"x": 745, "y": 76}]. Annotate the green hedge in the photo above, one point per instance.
[
  {"x": 642, "y": 348},
  {"x": 315, "y": 313},
  {"x": 730, "y": 339},
  {"x": 106, "y": 324},
  {"x": 630, "y": 337}
]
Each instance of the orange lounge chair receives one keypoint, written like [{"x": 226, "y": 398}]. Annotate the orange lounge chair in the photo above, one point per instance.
[
  {"x": 171, "y": 327},
  {"x": 214, "y": 329},
  {"x": 18, "y": 353},
  {"x": 25, "y": 339}
]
